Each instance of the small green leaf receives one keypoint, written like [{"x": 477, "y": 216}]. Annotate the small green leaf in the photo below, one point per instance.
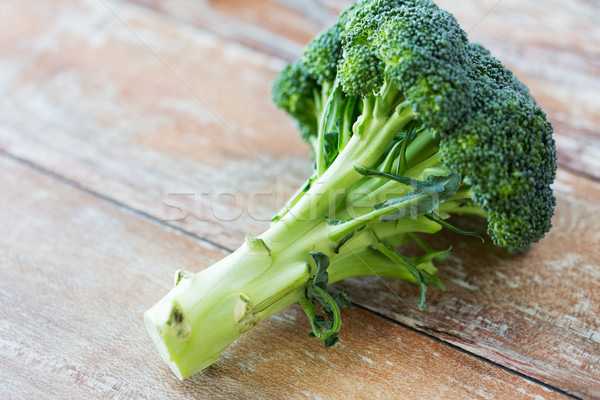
[
  {"x": 343, "y": 241},
  {"x": 417, "y": 274},
  {"x": 321, "y": 278},
  {"x": 322, "y": 323},
  {"x": 321, "y": 157},
  {"x": 413, "y": 183},
  {"x": 432, "y": 255},
  {"x": 410, "y": 134},
  {"x": 346, "y": 119},
  {"x": 433, "y": 280},
  {"x": 333, "y": 222},
  {"x": 341, "y": 299},
  {"x": 445, "y": 185},
  {"x": 425, "y": 197},
  {"x": 420, "y": 242},
  {"x": 331, "y": 146},
  {"x": 294, "y": 199},
  {"x": 449, "y": 183},
  {"x": 395, "y": 256},
  {"x": 331, "y": 340},
  {"x": 324, "y": 329},
  {"x": 412, "y": 205},
  {"x": 435, "y": 218}
]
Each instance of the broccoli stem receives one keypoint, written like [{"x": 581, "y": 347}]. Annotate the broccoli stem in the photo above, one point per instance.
[
  {"x": 204, "y": 314},
  {"x": 371, "y": 137},
  {"x": 371, "y": 191},
  {"x": 201, "y": 316}
]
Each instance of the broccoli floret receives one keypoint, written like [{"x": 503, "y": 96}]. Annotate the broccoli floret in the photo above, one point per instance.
[
  {"x": 483, "y": 117},
  {"x": 294, "y": 91},
  {"x": 321, "y": 54},
  {"x": 486, "y": 67},
  {"x": 506, "y": 152},
  {"x": 409, "y": 124}
]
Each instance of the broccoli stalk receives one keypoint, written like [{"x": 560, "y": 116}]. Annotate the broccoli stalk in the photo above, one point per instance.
[
  {"x": 409, "y": 123},
  {"x": 274, "y": 270}
]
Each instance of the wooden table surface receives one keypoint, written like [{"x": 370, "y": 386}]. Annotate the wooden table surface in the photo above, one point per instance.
[{"x": 123, "y": 124}]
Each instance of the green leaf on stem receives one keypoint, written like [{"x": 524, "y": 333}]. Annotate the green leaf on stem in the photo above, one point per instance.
[
  {"x": 436, "y": 218},
  {"x": 324, "y": 329}
]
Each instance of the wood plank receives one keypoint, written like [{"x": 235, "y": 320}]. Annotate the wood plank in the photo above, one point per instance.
[
  {"x": 77, "y": 273},
  {"x": 132, "y": 131},
  {"x": 269, "y": 26}
]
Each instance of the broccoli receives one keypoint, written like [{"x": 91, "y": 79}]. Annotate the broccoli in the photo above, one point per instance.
[{"x": 409, "y": 124}]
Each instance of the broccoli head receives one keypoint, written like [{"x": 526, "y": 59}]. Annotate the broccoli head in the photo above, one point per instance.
[{"x": 488, "y": 128}]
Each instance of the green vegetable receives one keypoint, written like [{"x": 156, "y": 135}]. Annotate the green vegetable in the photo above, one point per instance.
[{"x": 409, "y": 123}]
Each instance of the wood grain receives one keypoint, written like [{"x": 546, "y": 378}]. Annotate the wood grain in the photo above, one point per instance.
[
  {"x": 134, "y": 130},
  {"x": 86, "y": 98},
  {"x": 271, "y": 27},
  {"x": 77, "y": 273}
]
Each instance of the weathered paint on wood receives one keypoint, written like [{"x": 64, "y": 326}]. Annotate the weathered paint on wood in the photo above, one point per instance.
[
  {"x": 135, "y": 133},
  {"x": 77, "y": 273}
]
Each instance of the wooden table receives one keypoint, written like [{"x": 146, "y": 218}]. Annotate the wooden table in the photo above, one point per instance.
[{"x": 121, "y": 122}]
